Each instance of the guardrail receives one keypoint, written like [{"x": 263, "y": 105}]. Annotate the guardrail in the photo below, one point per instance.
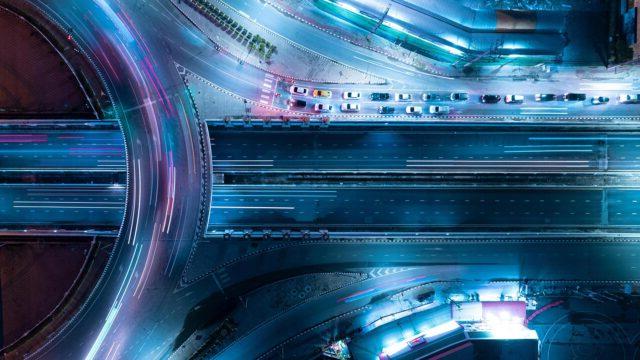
[
  {"x": 519, "y": 237},
  {"x": 310, "y": 120}
]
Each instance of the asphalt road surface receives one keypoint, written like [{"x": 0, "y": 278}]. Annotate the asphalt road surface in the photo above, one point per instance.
[
  {"x": 421, "y": 150},
  {"x": 416, "y": 208},
  {"x": 142, "y": 302},
  {"x": 62, "y": 206},
  {"x": 62, "y": 150}
]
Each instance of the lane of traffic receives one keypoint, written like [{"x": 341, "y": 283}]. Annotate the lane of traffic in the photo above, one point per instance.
[
  {"x": 59, "y": 206},
  {"x": 389, "y": 100},
  {"x": 85, "y": 150},
  {"x": 414, "y": 208},
  {"x": 336, "y": 149}
]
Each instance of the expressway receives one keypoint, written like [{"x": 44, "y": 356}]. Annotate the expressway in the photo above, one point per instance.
[
  {"x": 437, "y": 148},
  {"x": 62, "y": 150},
  {"x": 387, "y": 151},
  {"x": 143, "y": 301},
  {"x": 417, "y": 208},
  {"x": 85, "y": 207},
  {"x": 57, "y": 178}
]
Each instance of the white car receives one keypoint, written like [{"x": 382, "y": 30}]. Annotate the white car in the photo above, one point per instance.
[
  {"x": 298, "y": 90},
  {"x": 439, "y": 109},
  {"x": 414, "y": 110},
  {"x": 351, "y": 95},
  {"x": 403, "y": 97},
  {"x": 350, "y": 107},
  {"x": 629, "y": 98},
  {"x": 319, "y": 107},
  {"x": 514, "y": 99}
]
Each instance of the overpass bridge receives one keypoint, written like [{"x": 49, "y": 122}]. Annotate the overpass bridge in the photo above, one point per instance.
[
  {"x": 391, "y": 179},
  {"x": 61, "y": 177}
]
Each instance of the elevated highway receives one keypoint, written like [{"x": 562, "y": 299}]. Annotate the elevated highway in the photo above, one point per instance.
[
  {"x": 381, "y": 201},
  {"x": 67, "y": 176},
  {"x": 436, "y": 148}
]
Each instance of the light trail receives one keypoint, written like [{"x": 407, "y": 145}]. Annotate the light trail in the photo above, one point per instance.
[
  {"x": 506, "y": 161},
  {"x": 487, "y": 165},
  {"x": 244, "y": 165},
  {"x": 68, "y": 207},
  {"x": 549, "y": 151},
  {"x": 66, "y": 202},
  {"x": 254, "y": 207}
]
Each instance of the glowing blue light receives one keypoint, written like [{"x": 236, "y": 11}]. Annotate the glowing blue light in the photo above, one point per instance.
[
  {"x": 432, "y": 332},
  {"x": 394, "y": 348},
  {"x": 393, "y": 25},
  {"x": 441, "y": 329},
  {"x": 347, "y": 7}
]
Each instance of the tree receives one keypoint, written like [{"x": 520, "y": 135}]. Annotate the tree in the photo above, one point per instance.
[{"x": 271, "y": 50}]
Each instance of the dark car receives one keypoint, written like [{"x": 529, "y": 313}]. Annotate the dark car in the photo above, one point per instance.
[
  {"x": 386, "y": 110},
  {"x": 297, "y": 103},
  {"x": 380, "y": 96},
  {"x": 459, "y": 96},
  {"x": 575, "y": 97},
  {"x": 599, "y": 100},
  {"x": 490, "y": 99},
  {"x": 431, "y": 97},
  {"x": 545, "y": 97}
]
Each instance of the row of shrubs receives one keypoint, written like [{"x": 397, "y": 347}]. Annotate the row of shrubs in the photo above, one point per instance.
[{"x": 253, "y": 42}]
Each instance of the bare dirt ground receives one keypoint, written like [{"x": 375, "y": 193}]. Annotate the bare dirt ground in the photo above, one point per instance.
[{"x": 33, "y": 77}]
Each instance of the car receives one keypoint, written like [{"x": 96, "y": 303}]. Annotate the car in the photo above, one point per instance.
[
  {"x": 380, "y": 96},
  {"x": 459, "y": 96},
  {"x": 386, "y": 110},
  {"x": 350, "y": 107},
  {"x": 403, "y": 97},
  {"x": 629, "y": 98},
  {"x": 545, "y": 97},
  {"x": 298, "y": 90},
  {"x": 351, "y": 95},
  {"x": 414, "y": 110},
  {"x": 319, "y": 107},
  {"x": 490, "y": 99},
  {"x": 599, "y": 100},
  {"x": 297, "y": 103},
  {"x": 322, "y": 93},
  {"x": 514, "y": 99},
  {"x": 431, "y": 97},
  {"x": 439, "y": 109},
  {"x": 575, "y": 97}
]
